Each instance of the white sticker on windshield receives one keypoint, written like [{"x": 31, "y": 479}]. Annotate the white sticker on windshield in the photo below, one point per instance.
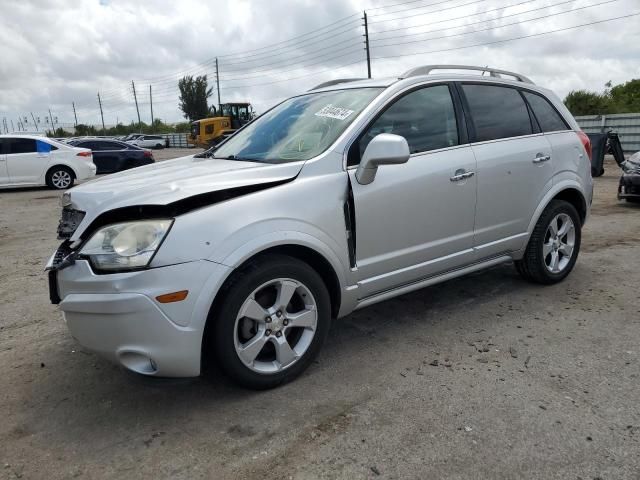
[{"x": 334, "y": 112}]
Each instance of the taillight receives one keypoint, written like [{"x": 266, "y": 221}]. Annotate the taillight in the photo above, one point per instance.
[
  {"x": 85, "y": 154},
  {"x": 147, "y": 154},
  {"x": 586, "y": 143}
]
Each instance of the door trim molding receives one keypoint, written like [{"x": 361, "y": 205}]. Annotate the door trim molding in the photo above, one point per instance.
[{"x": 417, "y": 285}]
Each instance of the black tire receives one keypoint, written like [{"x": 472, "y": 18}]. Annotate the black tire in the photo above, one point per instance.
[
  {"x": 54, "y": 172},
  {"x": 532, "y": 266},
  {"x": 633, "y": 200},
  {"x": 159, "y": 146},
  {"x": 219, "y": 346}
]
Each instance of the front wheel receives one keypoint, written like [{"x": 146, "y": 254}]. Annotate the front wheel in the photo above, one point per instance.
[
  {"x": 271, "y": 323},
  {"x": 554, "y": 245}
]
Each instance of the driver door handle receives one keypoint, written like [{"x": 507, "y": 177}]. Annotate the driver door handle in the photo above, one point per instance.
[{"x": 461, "y": 174}]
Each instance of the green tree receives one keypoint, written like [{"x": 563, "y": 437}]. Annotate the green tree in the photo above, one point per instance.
[
  {"x": 194, "y": 93},
  {"x": 626, "y": 97},
  {"x": 582, "y": 102},
  {"x": 85, "y": 130}
]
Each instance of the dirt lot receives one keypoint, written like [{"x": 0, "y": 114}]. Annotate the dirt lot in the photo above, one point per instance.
[{"x": 481, "y": 377}]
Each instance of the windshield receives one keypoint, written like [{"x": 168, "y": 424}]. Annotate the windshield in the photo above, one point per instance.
[{"x": 299, "y": 128}]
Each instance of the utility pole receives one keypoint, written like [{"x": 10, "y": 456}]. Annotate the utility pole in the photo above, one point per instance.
[
  {"x": 218, "y": 85},
  {"x": 12, "y": 127},
  {"x": 151, "y": 103},
  {"x": 366, "y": 44},
  {"x": 73, "y": 104},
  {"x": 101, "y": 114},
  {"x": 53, "y": 125},
  {"x": 136, "y": 100},
  {"x": 35, "y": 125}
]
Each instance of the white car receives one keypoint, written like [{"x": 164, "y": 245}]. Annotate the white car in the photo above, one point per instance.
[
  {"x": 34, "y": 160},
  {"x": 148, "y": 141}
]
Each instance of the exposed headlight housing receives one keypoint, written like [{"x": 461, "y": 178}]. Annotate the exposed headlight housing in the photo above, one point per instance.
[{"x": 125, "y": 246}]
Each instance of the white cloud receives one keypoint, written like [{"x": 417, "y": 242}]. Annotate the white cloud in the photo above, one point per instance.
[{"x": 56, "y": 52}]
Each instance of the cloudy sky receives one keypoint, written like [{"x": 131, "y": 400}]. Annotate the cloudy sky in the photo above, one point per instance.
[{"x": 55, "y": 52}]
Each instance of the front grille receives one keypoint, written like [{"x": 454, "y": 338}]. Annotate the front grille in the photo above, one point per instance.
[{"x": 69, "y": 222}]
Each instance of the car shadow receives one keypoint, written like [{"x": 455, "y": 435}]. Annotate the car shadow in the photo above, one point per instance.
[{"x": 81, "y": 392}]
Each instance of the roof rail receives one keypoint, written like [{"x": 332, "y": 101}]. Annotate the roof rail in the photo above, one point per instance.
[
  {"x": 335, "y": 82},
  {"x": 493, "y": 72}
]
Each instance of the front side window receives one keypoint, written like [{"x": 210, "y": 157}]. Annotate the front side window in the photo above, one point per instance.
[
  {"x": 22, "y": 145},
  {"x": 299, "y": 128},
  {"x": 208, "y": 129},
  {"x": 497, "y": 112},
  {"x": 547, "y": 116},
  {"x": 426, "y": 118}
]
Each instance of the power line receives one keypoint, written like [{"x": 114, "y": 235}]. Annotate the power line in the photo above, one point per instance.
[
  {"x": 459, "y": 18},
  {"x": 438, "y": 10},
  {"x": 295, "y": 78},
  {"x": 267, "y": 47},
  {"x": 466, "y": 24},
  {"x": 394, "y": 5},
  {"x": 431, "y": 11},
  {"x": 500, "y": 26},
  {"x": 507, "y": 39},
  {"x": 285, "y": 62}
]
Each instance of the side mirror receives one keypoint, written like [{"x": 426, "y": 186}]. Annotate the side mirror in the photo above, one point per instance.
[{"x": 384, "y": 149}]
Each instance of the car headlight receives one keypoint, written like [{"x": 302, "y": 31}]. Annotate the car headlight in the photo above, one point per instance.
[{"x": 125, "y": 246}]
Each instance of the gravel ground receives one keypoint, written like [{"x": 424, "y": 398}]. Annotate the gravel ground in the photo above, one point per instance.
[{"x": 481, "y": 377}]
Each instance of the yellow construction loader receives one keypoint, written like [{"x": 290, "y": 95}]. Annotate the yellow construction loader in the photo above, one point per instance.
[{"x": 208, "y": 132}]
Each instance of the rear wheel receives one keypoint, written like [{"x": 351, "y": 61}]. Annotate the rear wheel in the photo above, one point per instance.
[
  {"x": 159, "y": 146},
  {"x": 60, "y": 178},
  {"x": 271, "y": 324},
  {"x": 554, "y": 245}
]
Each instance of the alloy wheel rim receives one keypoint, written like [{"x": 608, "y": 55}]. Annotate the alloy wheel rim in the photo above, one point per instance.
[
  {"x": 275, "y": 325},
  {"x": 61, "y": 179},
  {"x": 559, "y": 243}
]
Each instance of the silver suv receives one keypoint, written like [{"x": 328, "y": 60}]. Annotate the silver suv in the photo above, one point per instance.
[{"x": 335, "y": 199}]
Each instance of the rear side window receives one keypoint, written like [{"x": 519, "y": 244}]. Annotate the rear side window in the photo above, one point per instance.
[
  {"x": 497, "y": 112},
  {"x": 22, "y": 145},
  {"x": 106, "y": 146},
  {"x": 425, "y": 118},
  {"x": 547, "y": 116}
]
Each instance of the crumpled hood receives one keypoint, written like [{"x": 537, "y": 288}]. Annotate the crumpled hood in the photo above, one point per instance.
[{"x": 169, "y": 181}]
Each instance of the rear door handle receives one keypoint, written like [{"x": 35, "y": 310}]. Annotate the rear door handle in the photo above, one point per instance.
[
  {"x": 541, "y": 158},
  {"x": 461, "y": 174}
]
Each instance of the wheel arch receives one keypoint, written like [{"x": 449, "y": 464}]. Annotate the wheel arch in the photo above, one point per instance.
[
  {"x": 575, "y": 198},
  {"x": 304, "y": 253},
  {"x": 568, "y": 191},
  {"x": 58, "y": 165}
]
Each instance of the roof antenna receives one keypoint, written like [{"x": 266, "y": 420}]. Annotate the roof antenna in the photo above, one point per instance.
[{"x": 486, "y": 66}]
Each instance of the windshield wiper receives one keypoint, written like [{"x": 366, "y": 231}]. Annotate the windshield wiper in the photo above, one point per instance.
[
  {"x": 206, "y": 154},
  {"x": 240, "y": 159}
]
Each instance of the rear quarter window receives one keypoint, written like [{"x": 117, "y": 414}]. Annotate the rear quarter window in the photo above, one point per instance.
[
  {"x": 548, "y": 118},
  {"x": 497, "y": 112}
]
